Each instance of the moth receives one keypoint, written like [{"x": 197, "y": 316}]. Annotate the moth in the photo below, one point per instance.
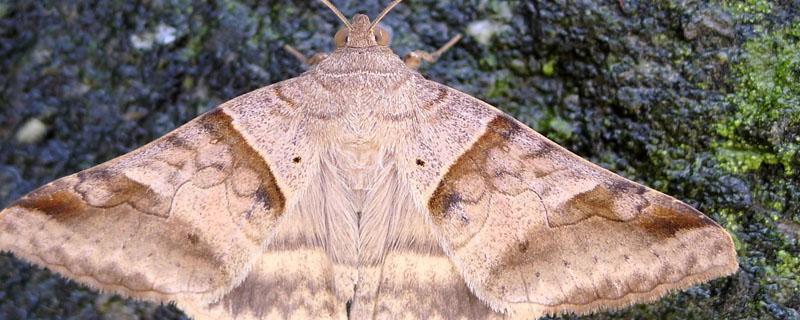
[{"x": 361, "y": 190}]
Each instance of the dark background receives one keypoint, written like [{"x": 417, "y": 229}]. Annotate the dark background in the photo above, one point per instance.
[{"x": 700, "y": 100}]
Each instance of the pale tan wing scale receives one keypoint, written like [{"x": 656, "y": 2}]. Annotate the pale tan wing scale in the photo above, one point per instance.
[
  {"x": 186, "y": 218},
  {"x": 536, "y": 230}
]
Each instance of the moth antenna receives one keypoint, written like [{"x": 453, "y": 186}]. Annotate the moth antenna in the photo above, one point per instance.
[
  {"x": 384, "y": 13},
  {"x": 338, "y": 13},
  {"x": 447, "y": 45}
]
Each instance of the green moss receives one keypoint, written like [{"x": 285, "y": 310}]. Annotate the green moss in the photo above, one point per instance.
[
  {"x": 500, "y": 87},
  {"x": 750, "y": 6},
  {"x": 561, "y": 127},
  {"x": 488, "y": 62},
  {"x": 788, "y": 266},
  {"x": 195, "y": 45},
  {"x": 745, "y": 160},
  {"x": 500, "y": 9},
  {"x": 766, "y": 99},
  {"x": 784, "y": 274},
  {"x": 3, "y": 9},
  {"x": 549, "y": 67},
  {"x": 750, "y": 11}
]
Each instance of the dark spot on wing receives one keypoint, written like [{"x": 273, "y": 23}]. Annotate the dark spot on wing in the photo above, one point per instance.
[
  {"x": 52, "y": 200},
  {"x": 262, "y": 198},
  {"x": 664, "y": 220},
  {"x": 623, "y": 186},
  {"x": 543, "y": 150},
  {"x": 504, "y": 126},
  {"x": 440, "y": 96},
  {"x": 281, "y": 96},
  {"x": 523, "y": 246},
  {"x": 193, "y": 238},
  {"x": 599, "y": 201},
  {"x": 441, "y": 204},
  {"x": 173, "y": 140},
  {"x": 103, "y": 187}
]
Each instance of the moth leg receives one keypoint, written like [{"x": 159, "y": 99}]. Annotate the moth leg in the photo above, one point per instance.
[
  {"x": 414, "y": 59},
  {"x": 316, "y": 58}
]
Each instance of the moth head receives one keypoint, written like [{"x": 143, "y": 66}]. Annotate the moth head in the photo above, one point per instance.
[{"x": 361, "y": 32}]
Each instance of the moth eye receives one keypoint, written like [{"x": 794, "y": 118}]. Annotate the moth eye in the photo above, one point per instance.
[
  {"x": 340, "y": 39},
  {"x": 381, "y": 36}
]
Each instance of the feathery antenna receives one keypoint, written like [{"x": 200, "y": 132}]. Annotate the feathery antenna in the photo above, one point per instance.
[
  {"x": 338, "y": 13},
  {"x": 383, "y": 13}
]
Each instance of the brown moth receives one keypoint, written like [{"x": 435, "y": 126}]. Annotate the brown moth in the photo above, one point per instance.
[{"x": 362, "y": 190}]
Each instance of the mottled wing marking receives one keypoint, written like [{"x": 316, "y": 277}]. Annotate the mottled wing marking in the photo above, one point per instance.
[
  {"x": 299, "y": 275},
  {"x": 416, "y": 285},
  {"x": 285, "y": 283},
  {"x": 181, "y": 218},
  {"x": 277, "y": 90},
  {"x": 402, "y": 271},
  {"x": 429, "y": 103},
  {"x": 306, "y": 95},
  {"x": 536, "y": 230}
]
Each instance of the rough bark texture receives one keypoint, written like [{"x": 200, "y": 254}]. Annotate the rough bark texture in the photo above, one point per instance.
[{"x": 699, "y": 100}]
